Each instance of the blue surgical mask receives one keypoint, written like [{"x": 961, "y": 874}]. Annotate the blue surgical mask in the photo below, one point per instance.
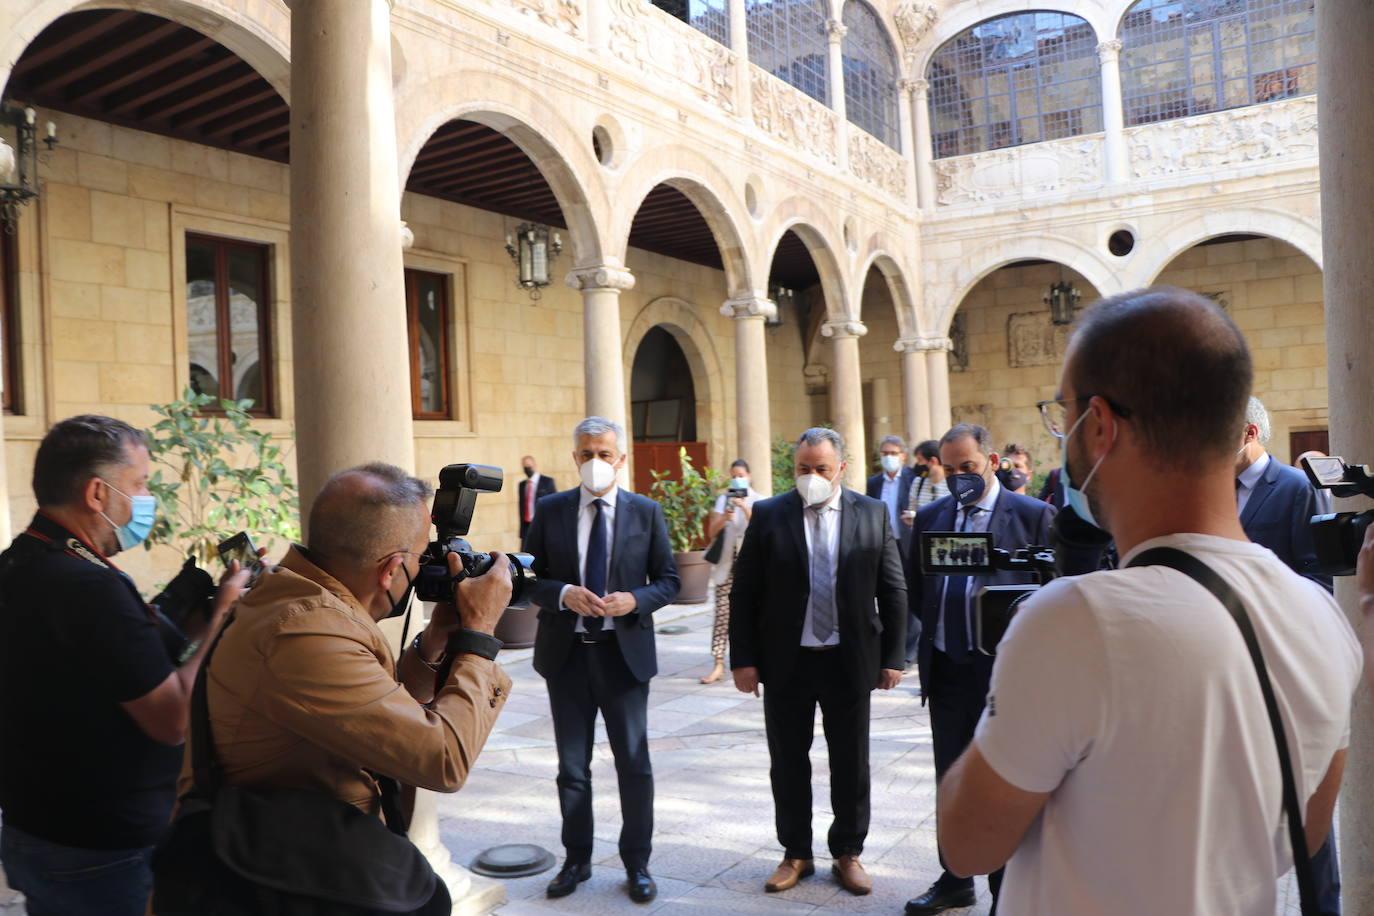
[
  {"x": 739, "y": 483},
  {"x": 891, "y": 463},
  {"x": 135, "y": 531},
  {"x": 1077, "y": 497}
]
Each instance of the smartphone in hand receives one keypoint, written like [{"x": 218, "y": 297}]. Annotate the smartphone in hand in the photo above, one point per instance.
[{"x": 241, "y": 547}]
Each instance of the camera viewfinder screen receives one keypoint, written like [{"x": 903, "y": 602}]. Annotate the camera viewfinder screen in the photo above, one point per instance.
[
  {"x": 954, "y": 553},
  {"x": 1325, "y": 472},
  {"x": 240, "y": 547}
]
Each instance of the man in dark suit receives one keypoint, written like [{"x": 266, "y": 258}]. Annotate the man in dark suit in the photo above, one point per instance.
[
  {"x": 1276, "y": 503},
  {"x": 604, "y": 567},
  {"x": 892, "y": 486},
  {"x": 533, "y": 488},
  {"x": 955, "y": 675},
  {"x": 818, "y": 616}
]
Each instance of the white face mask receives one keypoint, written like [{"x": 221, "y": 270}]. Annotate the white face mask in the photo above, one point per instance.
[
  {"x": 597, "y": 475},
  {"x": 739, "y": 483},
  {"x": 815, "y": 489},
  {"x": 891, "y": 463}
]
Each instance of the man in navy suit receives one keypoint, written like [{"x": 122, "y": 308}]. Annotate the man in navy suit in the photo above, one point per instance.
[
  {"x": 892, "y": 486},
  {"x": 1276, "y": 503},
  {"x": 533, "y": 488},
  {"x": 604, "y": 567},
  {"x": 955, "y": 675}
]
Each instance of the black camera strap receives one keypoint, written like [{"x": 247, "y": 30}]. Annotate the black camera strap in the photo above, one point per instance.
[{"x": 1205, "y": 576}]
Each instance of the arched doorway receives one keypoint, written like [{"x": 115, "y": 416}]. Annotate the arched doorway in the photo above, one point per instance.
[{"x": 663, "y": 408}]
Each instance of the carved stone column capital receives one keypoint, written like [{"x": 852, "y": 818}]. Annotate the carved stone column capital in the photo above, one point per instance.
[
  {"x": 835, "y": 30},
  {"x": 749, "y": 307},
  {"x": 920, "y": 88},
  {"x": 838, "y": 330},
  {"x": 909, "y": 345},
  {"x": 933, "y": 343},
  {"x": 1109, "y": 50},
  {"x": 601, "y": 276},
  {"x": 907, "y": 86},
  {"x": 407, "y": 236}
]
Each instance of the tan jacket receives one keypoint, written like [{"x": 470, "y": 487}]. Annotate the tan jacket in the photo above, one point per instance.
[{"x": 303, "y": 694}]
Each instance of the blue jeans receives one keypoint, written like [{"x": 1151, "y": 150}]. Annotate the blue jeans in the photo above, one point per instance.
[{"x": 65, "y": 881}]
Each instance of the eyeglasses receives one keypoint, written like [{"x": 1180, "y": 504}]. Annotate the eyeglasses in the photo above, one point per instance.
[
  {"x": 1054, "y": 414},
  {"x": 424, "y": 558}
]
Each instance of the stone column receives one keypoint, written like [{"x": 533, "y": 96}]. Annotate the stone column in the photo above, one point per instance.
[
  {"x": 915, "y": 390},
  {"x": 937, "y": 372},
  {"x": 603, "y": 365},
  {"x": 1114, "y": 139},
  {"x": 1345, "y": 46},
  {"x": 905, "y": 90},
  {"x": 835, "y": 30},
  {"x": 739, "y": 44},
  {"x": 347, "y": 279},
  {"x": 923, "y": 152},
  {"x": 751, "y": 385},
  {"x": 880, "y": 399},
  {"x": 847, "y": 395}
]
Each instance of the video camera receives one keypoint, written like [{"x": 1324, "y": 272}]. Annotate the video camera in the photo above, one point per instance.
[
  {"x": 1338, "y": 535},
  {"x": 454, "y": 502}
]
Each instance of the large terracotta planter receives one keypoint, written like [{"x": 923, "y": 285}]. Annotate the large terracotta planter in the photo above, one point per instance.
[
  {"x": 696, "y": 577},
  {"x": 517, "y": 626}
]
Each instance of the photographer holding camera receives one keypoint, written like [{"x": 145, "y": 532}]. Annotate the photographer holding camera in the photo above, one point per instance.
[
  {"x": 93, "y": 702},
  {"x": 1127, "y": 761}
]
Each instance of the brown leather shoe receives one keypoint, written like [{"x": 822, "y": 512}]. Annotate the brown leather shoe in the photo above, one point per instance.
[
  {"x": 789, "y": 873},
  {"x": 852, "y": 876}
]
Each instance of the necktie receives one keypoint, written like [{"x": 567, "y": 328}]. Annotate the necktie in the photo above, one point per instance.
[
  {"x": 529, "y": 499},
  {"x": 955, "y": 608},
  {"x": 595, "y": 578},
  {"x": 822, "y": 580}
]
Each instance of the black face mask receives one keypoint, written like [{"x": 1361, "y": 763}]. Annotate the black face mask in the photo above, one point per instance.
[
  {"x": 400, "y": 607},
  {"x": 922, "y": 470},
  {"x": 529, "y": 472}
]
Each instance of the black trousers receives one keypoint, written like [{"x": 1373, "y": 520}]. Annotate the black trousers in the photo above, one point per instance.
[
  {"x": 596, "y": 679},
  {"x": 789, "y": 715},
  {"x": 956, "y": 694}
]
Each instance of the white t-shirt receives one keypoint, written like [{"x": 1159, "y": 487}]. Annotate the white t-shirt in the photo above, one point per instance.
[{"x": 1130, "y": 697}]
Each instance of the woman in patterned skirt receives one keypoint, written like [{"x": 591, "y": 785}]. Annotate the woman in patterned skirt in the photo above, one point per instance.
[{"x": 730, "y": 515}]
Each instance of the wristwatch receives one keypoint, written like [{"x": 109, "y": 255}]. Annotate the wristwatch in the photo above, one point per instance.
[{"x": 415, "y": 646}]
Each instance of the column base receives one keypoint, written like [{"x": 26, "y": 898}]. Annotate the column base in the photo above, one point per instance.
[{"x": 483, "y": 895}]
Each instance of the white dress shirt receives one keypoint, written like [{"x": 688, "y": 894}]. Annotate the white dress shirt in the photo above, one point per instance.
[
  {"x": 978, "y": 521},
  {"x": 1248, "y": 478},
  {"x": 892, "y": 497},
  {"x": 586, "y": 512},
  {"x": 830, "y": 530}
]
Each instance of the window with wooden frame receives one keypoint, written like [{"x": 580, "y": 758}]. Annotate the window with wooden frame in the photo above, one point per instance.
[
  {"x": 9, "y": 321},
  {"x": 228, "y": 320},
  {"x": 427, "y": 322}
]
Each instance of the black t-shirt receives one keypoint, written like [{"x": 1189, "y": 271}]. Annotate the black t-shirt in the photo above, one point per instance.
[{"x": 76, "y": 640}]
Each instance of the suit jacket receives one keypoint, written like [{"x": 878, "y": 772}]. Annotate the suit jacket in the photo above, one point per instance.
[
  {"x": 905, "y": 478},
  {"x": 641, "y": 564},
  {"x": 1017, "y": 521},
  {"x": 773, "y": 584},
  {"x": 544, "y": 488},
  {"x": 1277, "y": 515}
]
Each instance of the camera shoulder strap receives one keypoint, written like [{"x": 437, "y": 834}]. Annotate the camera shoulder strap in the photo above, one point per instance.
[{"x": 1205, "y": 576}]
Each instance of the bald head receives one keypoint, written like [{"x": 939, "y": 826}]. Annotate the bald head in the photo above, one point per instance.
[
  {"x": 1177, "y": 364},
  {"x": 365, "y": 513}
]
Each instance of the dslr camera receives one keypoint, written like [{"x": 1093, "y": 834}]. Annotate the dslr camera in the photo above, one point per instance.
[
  {"x": 454, "y": 502},
  {"x": 1338, "y": 536}
]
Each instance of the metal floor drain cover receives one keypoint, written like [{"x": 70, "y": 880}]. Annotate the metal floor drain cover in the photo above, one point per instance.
[
  {"x": 514, "y": 860},
  {"x": 672, "y": 631}
]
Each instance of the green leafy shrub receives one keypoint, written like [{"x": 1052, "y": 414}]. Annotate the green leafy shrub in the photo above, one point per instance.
[
  {"x": 686, "y": 502},
  {"x": 784, "y": 465},
  {"x": 215, "y": 475}
]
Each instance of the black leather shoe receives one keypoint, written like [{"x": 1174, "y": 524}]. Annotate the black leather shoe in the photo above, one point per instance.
[
  {"x": 641, "y": 887},
  {"x": 940, "y": 898},
  {"x": 569, "y": 877}
]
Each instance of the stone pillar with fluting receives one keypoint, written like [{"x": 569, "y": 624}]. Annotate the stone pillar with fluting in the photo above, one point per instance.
[
  {"x": 1113, "y": 135},
  {"x": 1345, "y": 47},
  {"x": 937, "y": 373},
  {"x": 835, "y": 30},
  {"x": 603, "y": 364},
  {"x": 915, "y": 390},
  {"x": 751, "y": 385},
  {"x": 923, "y": 152},
  {"x": 348, "y": 308},
  {"x": 847, "y": 395}
]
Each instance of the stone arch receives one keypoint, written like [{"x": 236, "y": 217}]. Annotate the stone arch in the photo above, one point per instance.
[
  {"x": 953, "y": 281},
  {"x": 510, "y": 108},
  {"x": 708, "y": 187},
  {"x": 1102, "y": 15},
  {"x": 813, "y": 226},
  {"x": 259, "y": 33},
  {"x": 683, "y": 320},
  {"x": 1304, "y": 235},
  {"x": 903, "y": 302}
]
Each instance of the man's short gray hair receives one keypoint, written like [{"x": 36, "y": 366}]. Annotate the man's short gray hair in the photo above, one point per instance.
[
  {"x": 818, "y": 434},
  {"x": 980, "y": 435},
  {"x": 599, "y": 426},
  {"x": 892, "y": 440},
  {"x": 1256, "y": 415},
  {"x": 365, "y": 513}
]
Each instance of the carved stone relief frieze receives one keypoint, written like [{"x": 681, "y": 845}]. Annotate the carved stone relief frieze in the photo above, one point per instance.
[
  {"x": 563, "y": 15},
  {"x": 1020, "y": 172},
  {"x": 1274, "y": 130},
  {"x": 674, "y": 50},
  {"x": 1034, "y": 340},
  {"x": 958, "y": 343},
  {"x": 914, "y": 20},
  {"x": 793, "y": 117},
  {"x": 877, "y": 163}
]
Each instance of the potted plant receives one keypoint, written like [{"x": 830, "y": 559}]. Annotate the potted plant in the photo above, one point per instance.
[{"x": 687, "y": 498}]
